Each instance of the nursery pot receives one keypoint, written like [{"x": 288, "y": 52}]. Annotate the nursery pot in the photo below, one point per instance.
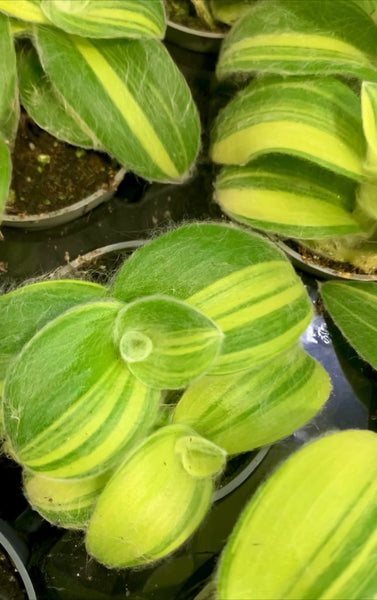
[
  {"x": 194, "y": 39},
  {"x": 15, "y": 582},
  {"x": 68, "y": 213},
  {"x": 307, "y": 263}
]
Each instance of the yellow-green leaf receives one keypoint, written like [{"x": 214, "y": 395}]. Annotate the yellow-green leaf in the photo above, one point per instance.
[
  {"x": 310, "y": 531},
  {"x": 165, "y": 342},
  {"x": 246, "y": 410},
  {"x": 64, "y": 502},
  {"x": 316, "y": 119},
  {"x": 107, "y": 18},
  {"x": 297, "y": 37},
  {"x": 9, "y": 103},
  {"x": 228, "y": 11},
  {"x": 71, "y": 406},
  {"x": 27, "y": 309},
  {"x": 151, "y": 505},
  {"x": 131, "y": 95},
  {"x": 236, "y": 278},
  {"x": 289, "y": 196},
  {"x": 353, "y": 307},
  {"x": 45, "y": 105},
  {"x": 26, "y": 10},
  {"x": 5, "y": 175}
]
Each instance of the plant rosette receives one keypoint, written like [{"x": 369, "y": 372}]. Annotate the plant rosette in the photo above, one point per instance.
[
  {"x": 117, "y": 58},
  {"x": 211, "y": 312},
  {"x": 298, "y": 143}
]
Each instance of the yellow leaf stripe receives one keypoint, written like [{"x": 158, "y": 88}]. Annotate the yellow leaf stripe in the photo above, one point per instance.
[{"x": 127, "y": 106}]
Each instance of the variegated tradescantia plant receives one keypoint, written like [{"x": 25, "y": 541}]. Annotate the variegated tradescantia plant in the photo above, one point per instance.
[
  {"x": 209, "y": 309},
  {"x": 97, "y": 75},
  {"x": 310, "y": 530},
  {"x": 299, "y": 141}
]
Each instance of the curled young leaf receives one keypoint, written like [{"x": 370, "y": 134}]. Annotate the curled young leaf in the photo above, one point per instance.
[
  {"x": 165, "y": 342},
  {"x": 238, "y": 279}
]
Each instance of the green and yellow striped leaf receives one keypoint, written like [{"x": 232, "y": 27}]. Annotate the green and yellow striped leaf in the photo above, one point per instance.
[
  {"x": 131, "y": 95},
  {"x": 353, "y": 307},
  {"x": 236, "y": 278},
  {"x": 45, "y": 105},
  {"x": 310, "y": 532},
  {"x": 152, "y": 504},
  {"x": 5, "y": 176},
  {"x": 65, "y": 503},
  {"x": 20, "y": 28},
  {"x": 369, "y": 6},
  {"x": 165, "y": 342},
  {"x": 287, "y": 195},
  {"x": 246, "y": 410},
  {"x": 369, "y": 120},
  {"x": 228, "y": 11},
  {"x": 9, "y": 103},
  {"x": 107, "y": 18},
  {"x": 25, "y": 10},
  {"x": 316, "y": 119},
  {"x": 26, "y": 310},
  {"x": 71, "y": 406},
  {"x": 296, "y": 37}
]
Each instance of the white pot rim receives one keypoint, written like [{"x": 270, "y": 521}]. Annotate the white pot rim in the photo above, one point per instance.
[{"x": 68, "y": 213}]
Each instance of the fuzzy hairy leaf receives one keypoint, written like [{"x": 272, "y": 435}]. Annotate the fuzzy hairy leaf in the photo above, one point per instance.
[
  {"x": 9, "y": 104},
  {"x": 353, "y": 307},
  {"x": 302, "y": 37},
  {"x": 45, "y": 105},
  {"x": 238, "y": 279},
  {"x": 131, "y": 95},
  {"x": 107, "y": 18},
  {"x": 246, "y": 410},
  {"x": 165, "y": 342},
  {"x": 369, "y": 119},
  {"x": 316, "y": 119},
  {"x": 64, "y": 502},
  {"x": 26, "y": 310},
  {"x": 289, "y": 196},
  {"x": 26, "y": 10},
  {"x": 71, "y": 410},
  {"x": 310, "y": 530},
  {"x": 151, "y": 505},
  {"x": 5, "y": 178}
]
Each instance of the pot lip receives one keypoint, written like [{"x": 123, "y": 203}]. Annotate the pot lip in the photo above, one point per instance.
[
  {"x": 68, "y": 213},
  {"x": 213, "y": 35},
  {"x": 241, "y": 477},
  {"x": 18, "y": 552},
  {"x": 194, "y": 39},
  {"x": 314, "y": 269}
]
